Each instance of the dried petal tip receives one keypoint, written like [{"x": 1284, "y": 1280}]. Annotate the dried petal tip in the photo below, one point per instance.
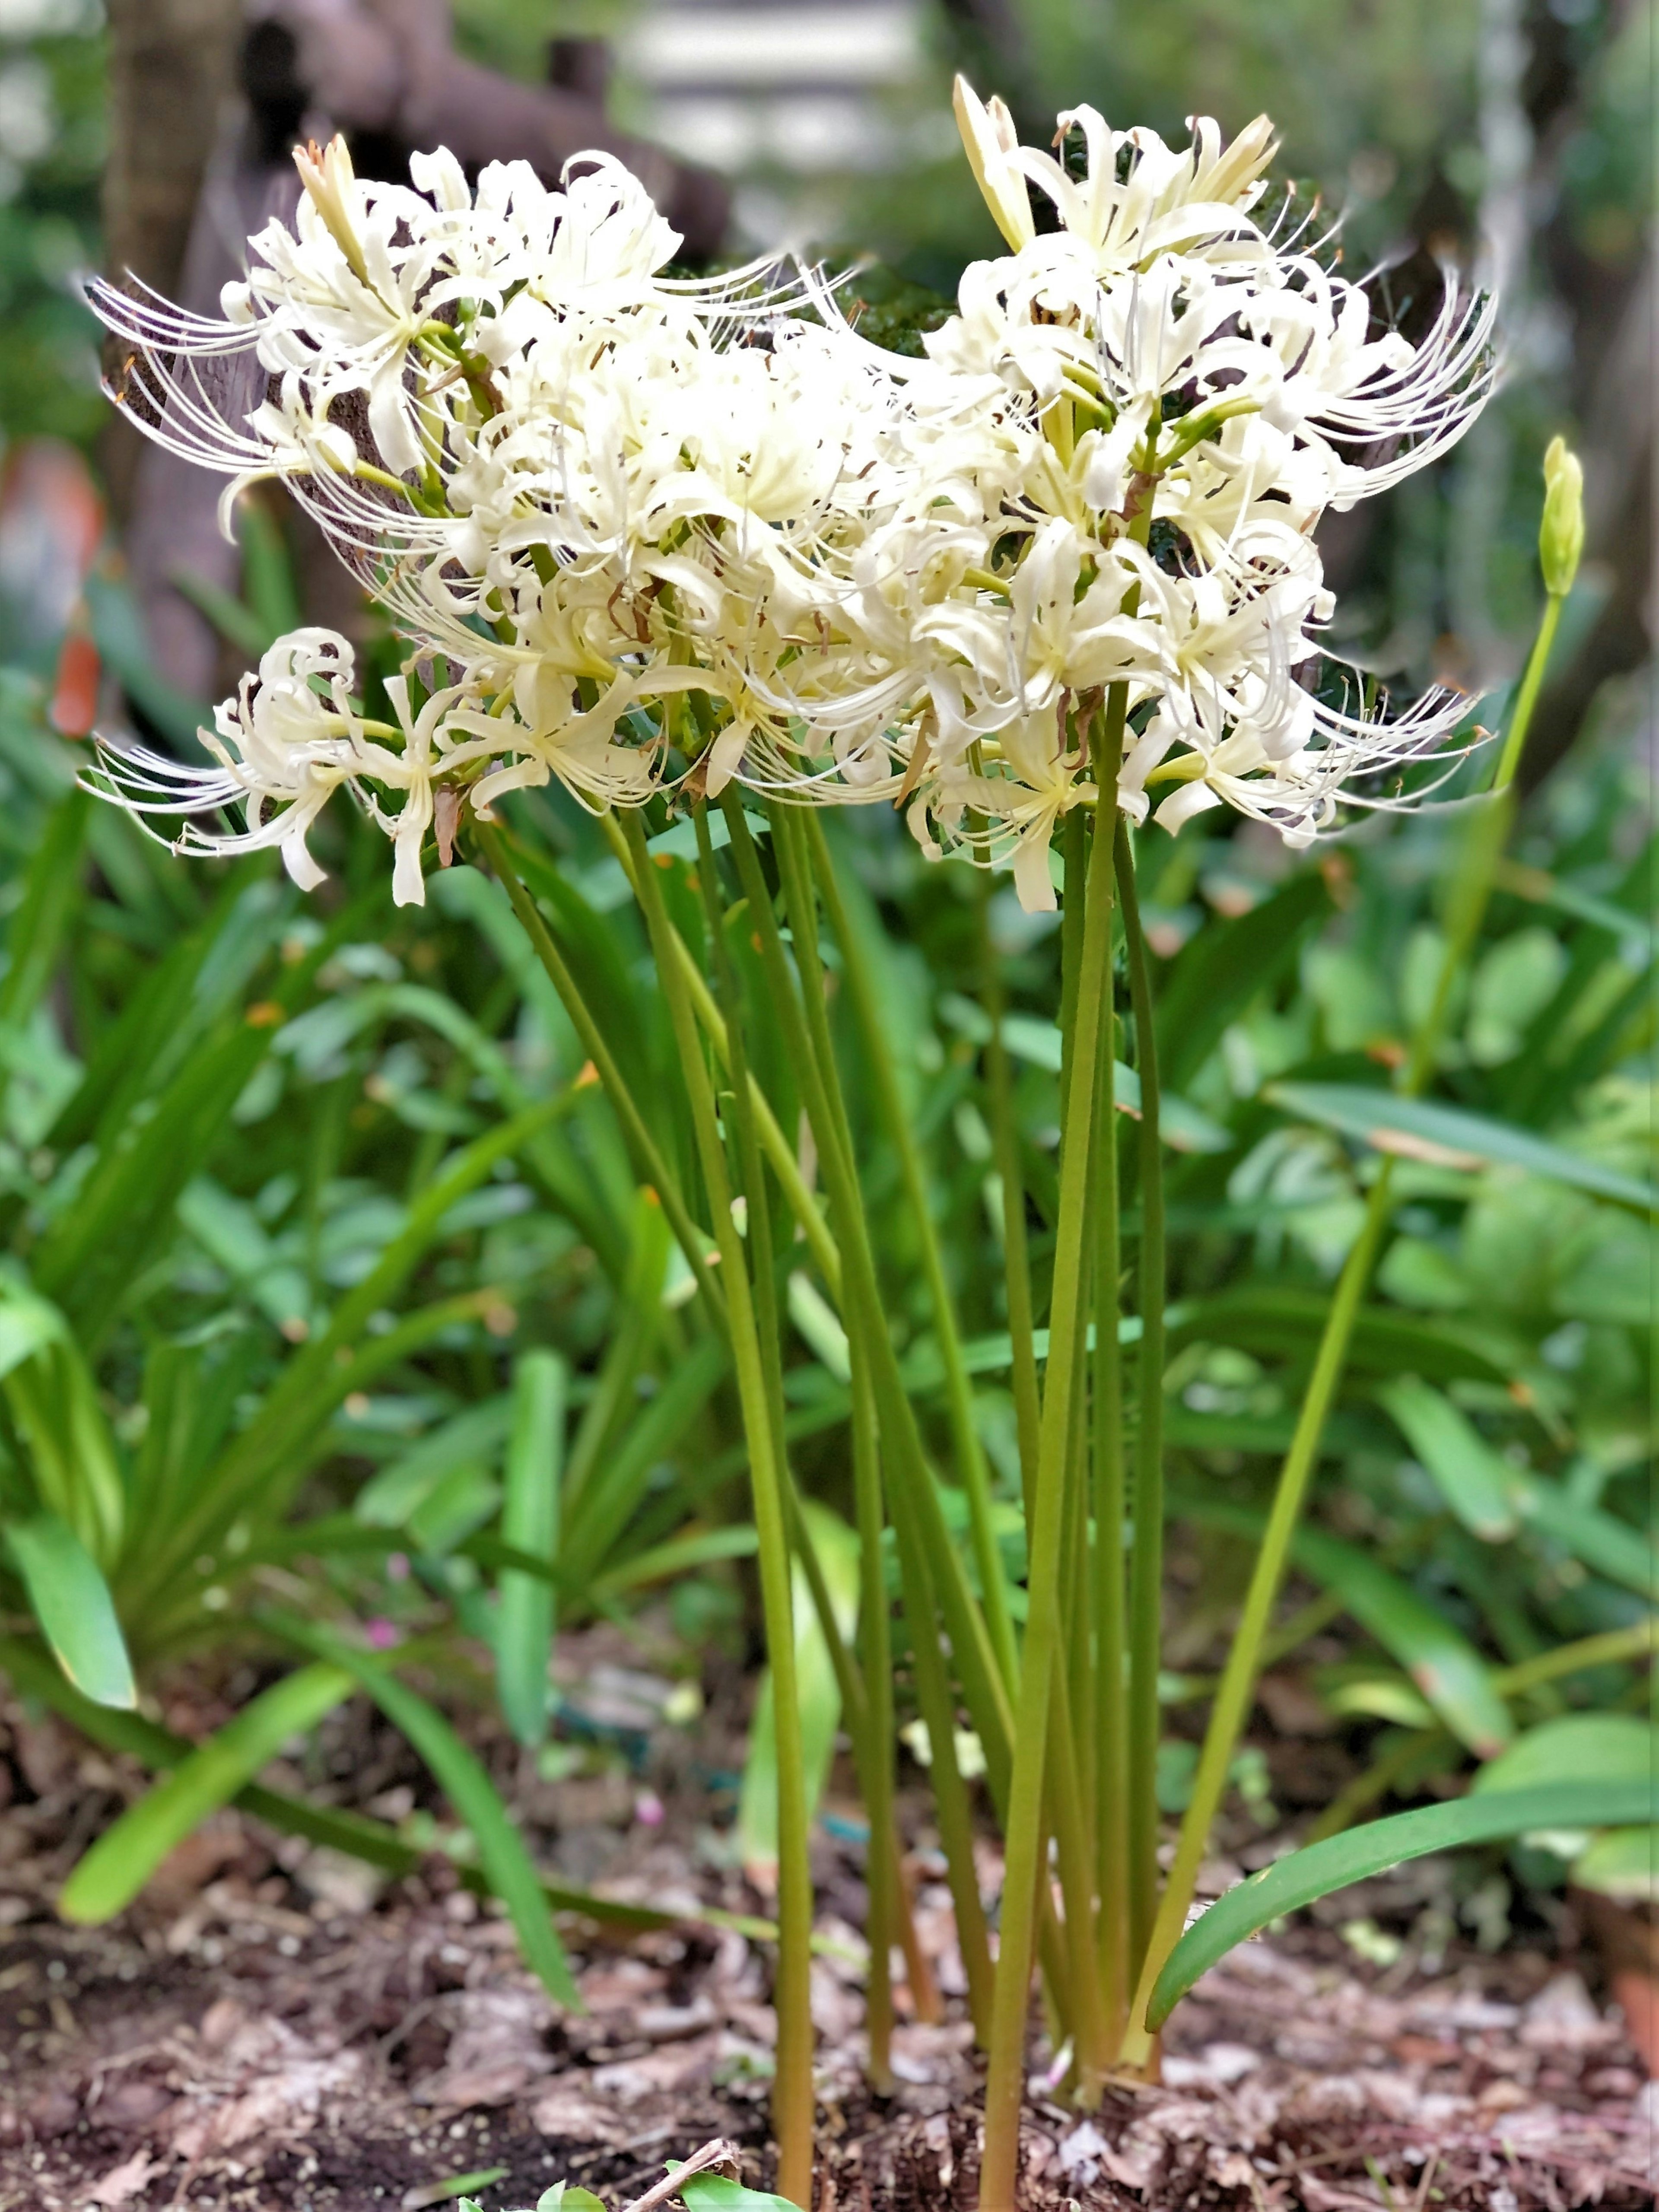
[
  {"x": 330, "y": 184},
  {"x": 1561, "y": 533}
]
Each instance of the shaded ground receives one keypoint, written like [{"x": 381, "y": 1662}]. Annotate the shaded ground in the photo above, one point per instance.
[{"x": 268, "y": 2028}]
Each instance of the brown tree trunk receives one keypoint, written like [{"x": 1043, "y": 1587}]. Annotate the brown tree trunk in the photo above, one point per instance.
[{"x": 169, "y": 68}]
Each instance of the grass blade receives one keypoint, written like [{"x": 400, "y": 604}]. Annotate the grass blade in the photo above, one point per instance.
[
  {"x": 1610, "y": 1546},
  {"x": 1473, "y": 1478},
  {"x": 1216, "y": 976},
  {"x": 50, "y": 891},
  {"x": 72, "y": 1604},
  {"x": 122, "y": 1861},
  {"x": 1439, "y": 1658},
  {"x": 1451, "y": 1136},
  {"x": 506, "y": 1863},
  {"x": 1574, "y": 1747},
  {"x": 529, "y": 1522},
  {"x": 352, "y": 1833},
  {"x": 818, "y": 1692},
  {"x": 1333, "y": 1864},
  {"x": 1436, "y": 1654}
]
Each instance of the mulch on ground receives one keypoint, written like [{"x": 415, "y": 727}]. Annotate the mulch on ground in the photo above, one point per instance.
[{"x": 271, "y": 2028}]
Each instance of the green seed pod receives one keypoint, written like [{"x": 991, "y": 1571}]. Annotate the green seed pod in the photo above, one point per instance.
[{"x": 1561, "y": 532}]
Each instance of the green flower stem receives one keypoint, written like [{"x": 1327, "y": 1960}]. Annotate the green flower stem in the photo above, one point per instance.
[
  {"x": 792, "y": 2094},
  {"x": 982, "y": 1681},
  {"x": 958, "y": 1391},
  {"x": 872, "y": 1744},
  {"x": 917, "y": 1519},
  {"x": 1146, "y": 1560},
  {"x": 1075, "y": 1856},
  {"x": 1112, "y": 1754},
  {"x": 1017, "y": 1267},
  {"x": 1472, "y": 887},
  {"x": 647, "y": 1158},
  {"x": 1025, "y": 1826},
  {"x": 1526, "y": 699},
  {"x": 951, "y": 1803},
  {"x": 781, "y": 1156}
]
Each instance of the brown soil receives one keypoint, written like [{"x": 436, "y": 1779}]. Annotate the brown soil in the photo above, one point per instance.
[{"x": 267, "y": 2028}]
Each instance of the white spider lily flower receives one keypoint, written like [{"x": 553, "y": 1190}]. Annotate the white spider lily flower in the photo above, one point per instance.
[
  {"x": 1038, "y": 785},
  {"x": 584, "y": 491},
  {"x": 284, "y": 743},
  {"x": 1138, "y": 197}
]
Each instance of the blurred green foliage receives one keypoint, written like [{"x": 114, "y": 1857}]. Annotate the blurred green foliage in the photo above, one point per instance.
[{"x": 51, "y": 142}]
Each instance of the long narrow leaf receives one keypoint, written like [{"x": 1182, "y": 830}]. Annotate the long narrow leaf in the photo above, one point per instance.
[
  {"x": 1473, "y": 1478},
  {"x": 1436, "y": 1654},
  {"x": 1445, "y": 1666},
  {"x": 355, "y": 1833},
  {"x": 51, "y": 890},
  {"x": 818, "y": 1693},
  {"x": 505, "y": 1862},
  {"x": 530, "y": 1520},
  {"x": 1306, "y": 1875},
  {"x": 1215, "y": 976},
  {"x": 125, "y": 1856},
  {"x": 1452, "y": 1136},
  {"x": 72, "y": 1604},
  {"x": 1611, "y": 1546}
]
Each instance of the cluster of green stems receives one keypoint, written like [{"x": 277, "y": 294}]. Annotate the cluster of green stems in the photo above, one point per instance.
[{"x": 1067, "y": 1714}]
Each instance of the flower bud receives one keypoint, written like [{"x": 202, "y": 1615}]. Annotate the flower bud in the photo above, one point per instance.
[{"x": 1561, "y": 532}]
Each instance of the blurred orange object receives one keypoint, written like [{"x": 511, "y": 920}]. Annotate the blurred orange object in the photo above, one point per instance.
[
  {"x": 74, "y": 706},
  {"x": 52, "y": 525},
  {"x": 1638, "y": 1994}
]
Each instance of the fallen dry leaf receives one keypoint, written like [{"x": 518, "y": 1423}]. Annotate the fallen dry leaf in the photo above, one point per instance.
[{"x": 123, "y": 2183}]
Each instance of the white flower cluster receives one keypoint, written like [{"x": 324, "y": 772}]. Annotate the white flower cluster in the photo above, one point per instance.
[{"x": 640, "y": 532}]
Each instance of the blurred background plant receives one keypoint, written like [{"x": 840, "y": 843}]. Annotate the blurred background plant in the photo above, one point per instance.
[{"x": 317, "y": 1238}]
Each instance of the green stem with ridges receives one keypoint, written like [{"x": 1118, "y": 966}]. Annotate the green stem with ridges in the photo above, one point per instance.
[
  {"x": 1471, "y": 889},
  {"x": 915, "y": 1512},
  {"x": 775, "y": 1146},
  {"x": 1024, "y": 1826},
  {"x": 648, "y": 1162},
  {"x": 1016, "y": 1259},
  {"x": 1146, "y": 1513},
  {"x": 1112, "y": 1748},
  {"x": 792, "y": 2094},
  {"x": 966, "y": 1448},
  {"x": 873, "y": 1754}
]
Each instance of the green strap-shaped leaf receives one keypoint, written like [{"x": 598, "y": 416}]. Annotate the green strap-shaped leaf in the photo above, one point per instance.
[
  {"x": 1216, "y": 976},
  {"x": 1361, "y": 1852},
  {"x": 530, "y": 1522},
  {"x": 1602, "y": 1541},
  {"x": 1491, "y": 1496},
  {"x": 1574, "y": 1747},
  {"x": 1436, "y": 1654},
  {"x": 52, "y": 890},
  {"x": 72, "y": 1604},
  {"x": 1450, "y": 1135},
  {"x": 352, "y": 1833},
  {"x": 123, "y": 1858},
  {"x": 506, "y": 1863},
  {"x": 1183, "y": 1126},
  {"x": 1281, "y": 1319},
  {"x": 1472, "y": 1478},
  {"x": 817, "y": 1693}
]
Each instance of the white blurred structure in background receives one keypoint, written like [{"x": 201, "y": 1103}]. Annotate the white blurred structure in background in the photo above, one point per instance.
[{"x": 793, "y": 100}]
